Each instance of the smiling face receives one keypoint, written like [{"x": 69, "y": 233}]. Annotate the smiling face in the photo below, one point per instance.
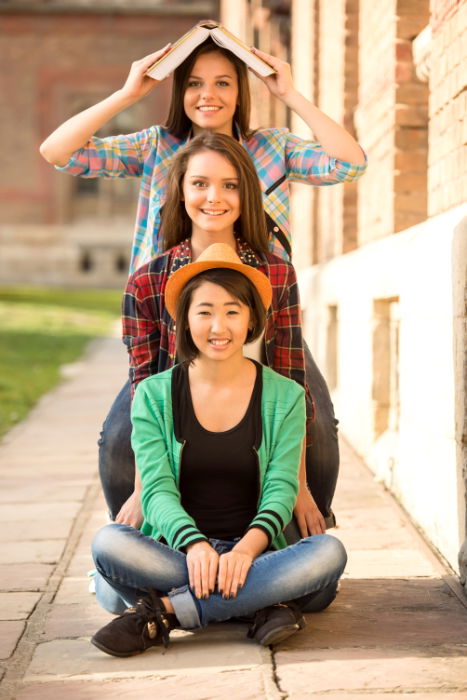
[
  {"x": 211, "y": 94},
  {"x": 211, "y": 195},
  {"x": 218, "y": 322}
]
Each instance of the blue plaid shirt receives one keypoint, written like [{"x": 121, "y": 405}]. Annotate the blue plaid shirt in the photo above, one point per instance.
[{"x": 278, "y": 155}]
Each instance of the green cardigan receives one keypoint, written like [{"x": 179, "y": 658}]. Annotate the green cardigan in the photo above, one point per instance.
[{"x": 158, "y": 456}]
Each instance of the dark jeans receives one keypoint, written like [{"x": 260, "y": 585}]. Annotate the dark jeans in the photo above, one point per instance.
[{"x": 117, "y": 462}]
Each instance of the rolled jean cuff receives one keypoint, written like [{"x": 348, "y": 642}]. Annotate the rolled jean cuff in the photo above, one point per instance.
[{"x": 185, "y": 608}]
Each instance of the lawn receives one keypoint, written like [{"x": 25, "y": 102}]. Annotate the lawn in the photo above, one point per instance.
[{"x": 40, "y": 330}]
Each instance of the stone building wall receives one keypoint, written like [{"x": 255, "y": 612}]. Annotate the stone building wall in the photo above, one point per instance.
[
  {"x": 447, "y": 185},
  {"x": 55, "y": 60}
]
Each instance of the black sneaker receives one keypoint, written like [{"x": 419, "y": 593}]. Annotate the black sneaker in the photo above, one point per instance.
[
  {"x": 275, "y": 623},
  {"x": 146, "y": 625}
]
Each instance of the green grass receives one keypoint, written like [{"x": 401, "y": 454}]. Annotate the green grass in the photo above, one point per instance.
[{"x": 40, "y": 330}]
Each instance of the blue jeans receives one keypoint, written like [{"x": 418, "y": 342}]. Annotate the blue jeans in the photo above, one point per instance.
[
  {"x": 117, "y": 461},
  {"x": 129, "y": 563}
]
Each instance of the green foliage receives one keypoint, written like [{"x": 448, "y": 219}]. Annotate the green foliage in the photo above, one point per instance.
[{"x": 40, "y": 330}]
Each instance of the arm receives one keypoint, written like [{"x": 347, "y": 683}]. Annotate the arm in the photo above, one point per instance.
[
  {"x": 152, "y": 424},
  {"x": 73, "y": 134},
  {"x": 336, "y": 141},
  {"x": 310, "y": 520}
]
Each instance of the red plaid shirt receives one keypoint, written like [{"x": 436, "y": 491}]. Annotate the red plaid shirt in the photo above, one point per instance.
[{"x": 149, "y": 331}]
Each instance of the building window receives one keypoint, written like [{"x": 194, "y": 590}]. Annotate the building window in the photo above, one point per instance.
[{"x": 385, "y": 391}]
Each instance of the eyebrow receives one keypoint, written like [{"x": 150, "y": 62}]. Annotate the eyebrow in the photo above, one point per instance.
[
  {"x": 206, "y": 177},
  {"x": 227, "y": 303},
  {"x": 224, "y": 75}
]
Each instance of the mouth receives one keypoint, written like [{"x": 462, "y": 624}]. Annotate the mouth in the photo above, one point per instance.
[
  {"x": 218, "y": 342},
  {"x": 214, "y": 212},
  {"x": 208, "y": 108}
]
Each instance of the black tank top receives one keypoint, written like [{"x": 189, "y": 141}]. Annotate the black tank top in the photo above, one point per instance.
[{"x": 219, "y": 484}]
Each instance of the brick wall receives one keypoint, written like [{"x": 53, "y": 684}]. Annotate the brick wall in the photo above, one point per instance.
[
  {"x": 48, "y": 65},
  {"x": 447, "y": 171},
  {"x": 331, "y": 41}
]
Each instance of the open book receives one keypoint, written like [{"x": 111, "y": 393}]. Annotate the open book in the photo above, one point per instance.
[{"x": 189, "y": 41}]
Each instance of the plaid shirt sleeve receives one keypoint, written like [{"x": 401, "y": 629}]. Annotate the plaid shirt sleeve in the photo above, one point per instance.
[
  {"x": 113, "y": 156},
  {"x": 285, "y": 331},
  {"x": 307, "y": 161},
  {"x": 141, "y": 325}
]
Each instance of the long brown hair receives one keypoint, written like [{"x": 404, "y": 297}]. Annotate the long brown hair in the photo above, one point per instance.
[
  {"x": 251, "y": 225},
  {"x": 177, "y": 121}
]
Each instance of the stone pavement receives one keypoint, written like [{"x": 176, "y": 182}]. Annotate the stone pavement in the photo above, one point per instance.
[{"x": 397, "y": 628}]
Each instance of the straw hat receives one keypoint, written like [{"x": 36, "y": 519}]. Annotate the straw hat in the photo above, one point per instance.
[{"x": 216, "y": 255}]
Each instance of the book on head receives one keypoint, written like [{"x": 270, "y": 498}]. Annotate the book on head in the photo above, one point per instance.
[{"x": 189, "y": 41}]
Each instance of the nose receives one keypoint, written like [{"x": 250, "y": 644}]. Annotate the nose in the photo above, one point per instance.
[
  {"x": 207, "y": 92},
  {"x": 217, "y": 323},
  {"x": 213, "y": 194}
]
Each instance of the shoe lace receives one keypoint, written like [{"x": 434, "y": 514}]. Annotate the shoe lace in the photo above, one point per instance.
[{"x": 156, "y": 617}]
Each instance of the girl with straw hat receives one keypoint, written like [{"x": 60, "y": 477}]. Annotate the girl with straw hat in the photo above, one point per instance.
[{"x": 217, "y": 440}]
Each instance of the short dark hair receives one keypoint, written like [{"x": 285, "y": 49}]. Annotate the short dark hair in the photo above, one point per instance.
[
  {"x": 177, "y": 121},
  {"x": 238, "y": 286},
  {"x": 251, "y": 224}
]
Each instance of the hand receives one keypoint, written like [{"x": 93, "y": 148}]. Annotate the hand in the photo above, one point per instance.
[
  {"x": 280, "y": 84},
  {"x": 309, "y": 518},
  {"x": 138, "y": 85},
  {"x": 202, "y": 562},
  {"x": 233, "y": 570},
  {"x": 131, "y": 513}
]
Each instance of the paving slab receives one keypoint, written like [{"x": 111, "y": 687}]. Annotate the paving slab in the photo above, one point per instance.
[
  {"x": 10, "y": 633},
  {"x": 17, "y": 606},
  {"x": 39, "y": 529},
  {"x": 64, "y": 511},
  {"x": 240, "y": 684},
  {"x": 40, "y": 492},
  {"x": 214, "y": 649},
  {"x": 360, "y": 670},
  {"x": 36, "y": 552},
  {"x": 24, "y": 577}
]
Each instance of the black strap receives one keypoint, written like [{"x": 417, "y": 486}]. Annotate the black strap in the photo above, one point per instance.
[{"x": 279, "y": 234}]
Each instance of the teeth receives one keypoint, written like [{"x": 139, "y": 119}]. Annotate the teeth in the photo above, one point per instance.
[
  {"x": 211, "y": 212},
  {"x": 208, "y": 109},
  {"x": 219, "y": 342}
]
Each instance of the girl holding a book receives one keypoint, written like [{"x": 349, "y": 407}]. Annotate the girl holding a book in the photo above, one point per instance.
[{"x": 210, "y": 92}]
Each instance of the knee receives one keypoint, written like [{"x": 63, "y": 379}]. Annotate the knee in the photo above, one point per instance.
[
  {"x": 106, "y": 541},
  {"x": 330, "y": 551}
]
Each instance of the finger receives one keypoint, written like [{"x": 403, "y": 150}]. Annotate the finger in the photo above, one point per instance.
[
  {"x": 302, "y": 525},
  {"x": 213, "y": 567},
  {"x": 150, "y": 58},
  {"x": 315, "y": 526},
  {"x": 197, "y": 578},
  {"x": 229, "y": 569},
  {"x": 204, "y": 569},
  {"x": 222, "y": 574},
  {"x": 266, "y": 56},
  {"x": 236, "y": 578}
]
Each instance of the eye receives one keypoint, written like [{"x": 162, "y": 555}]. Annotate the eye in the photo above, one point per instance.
[
  {"x": 199, "y": 183},
  {"x": 194, "y": 83},
  {"x": 223, "y": 83},
  {"x": 232, "y": 312},
  {"x": 231, "y": 186}
]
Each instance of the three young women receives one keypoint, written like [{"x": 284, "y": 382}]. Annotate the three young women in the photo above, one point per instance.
[{"x": 210, "y": 92}]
